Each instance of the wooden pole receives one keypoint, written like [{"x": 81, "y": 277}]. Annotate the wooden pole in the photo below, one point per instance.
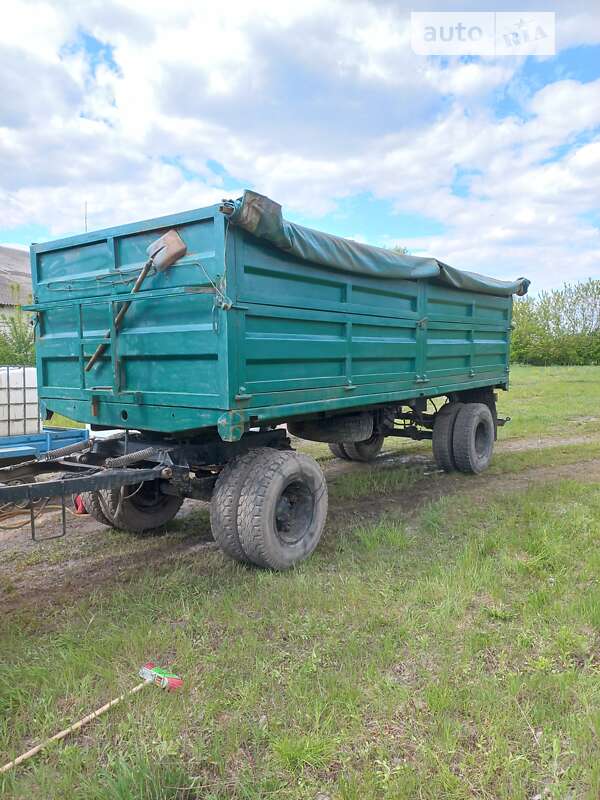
[{"x": 72, "y": 728}]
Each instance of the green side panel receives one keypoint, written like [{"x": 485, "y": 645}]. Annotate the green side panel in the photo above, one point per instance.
[
  {"x": 314, "y": 339},
  {"x": 107, "y": 262},
  {"x": 166, "y": 368},
  {"x": 287, "y": 349},
  {"x": 467, "y": 335}
]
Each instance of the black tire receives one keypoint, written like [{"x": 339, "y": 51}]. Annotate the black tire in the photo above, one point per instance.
[
  {"x": 94, "y": 506},
  {"x": 473, "y": 438},
  {"x": 139, "y": 508},
  {"x": 282, "y": 509},
  {"x": 364, "y": 451},
  {"x": 225, "y": 501},
  {"x": 485, "y": 396},
  {"x": 342, "y": 428},
  {"x": 443, "y": 434},
  {"x": 338, "y": 450}
]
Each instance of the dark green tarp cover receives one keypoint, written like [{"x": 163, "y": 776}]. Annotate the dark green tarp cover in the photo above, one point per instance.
[{"x": 262, "y": 217}]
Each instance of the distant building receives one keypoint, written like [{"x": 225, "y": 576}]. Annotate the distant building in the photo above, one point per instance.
[{"x": 15, "y": 281}]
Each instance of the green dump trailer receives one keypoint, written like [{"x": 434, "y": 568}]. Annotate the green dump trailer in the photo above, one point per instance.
[{"x": 207, "y": 337}]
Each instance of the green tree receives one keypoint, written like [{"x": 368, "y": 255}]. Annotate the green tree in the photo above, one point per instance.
[
  {"x": 561, "y": 326},
  {"x": 17, "y": 341}
]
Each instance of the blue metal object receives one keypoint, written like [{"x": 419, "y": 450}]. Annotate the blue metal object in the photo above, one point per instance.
[{"x": 31, "y": 445}]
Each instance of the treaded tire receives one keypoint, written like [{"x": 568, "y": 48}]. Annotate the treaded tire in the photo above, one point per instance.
[
  {"x": 282, "y": 509},
  {"x": 139, "y": 512},
  {"x": 443, "y": 432},
  {"x": 364, "y": 451},
  {"x": 338, "y": 450},
  {"x": 473, "y": 438},
  {"x": 343, "y": 428},
  {"x": 485, "y": 396},
  {"x": 224, "y": 504},
  {"x": 93, "y": 505}
]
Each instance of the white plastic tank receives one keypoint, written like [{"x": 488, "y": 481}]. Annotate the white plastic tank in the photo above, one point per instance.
[{"x": 19, "y": 411}]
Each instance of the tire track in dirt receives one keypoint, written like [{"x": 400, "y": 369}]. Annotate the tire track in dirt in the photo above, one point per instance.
[{"x": 410, "y": 500}]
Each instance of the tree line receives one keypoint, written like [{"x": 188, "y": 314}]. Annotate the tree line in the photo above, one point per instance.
[{"x": 561, "y": 326}]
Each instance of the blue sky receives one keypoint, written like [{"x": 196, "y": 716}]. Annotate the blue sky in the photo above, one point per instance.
[{"x": 490, "y": 164}]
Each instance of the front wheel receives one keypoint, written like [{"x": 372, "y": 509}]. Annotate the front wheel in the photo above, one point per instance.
[
  {"x": 139, "y": 508},
  {"x": 282, "y": 509},
  {"x": 225, "y": 501}
]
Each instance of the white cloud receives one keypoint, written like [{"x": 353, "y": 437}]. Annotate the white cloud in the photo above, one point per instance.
[
  {"x": 578, "y": 24},
  {"x": 471, "y": 79},
  {"x": 567, "y": 106},
  {"x": 310, "y": 103}
]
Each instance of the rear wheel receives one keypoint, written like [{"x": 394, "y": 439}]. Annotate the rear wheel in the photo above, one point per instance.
[
  {"x": 364, "y": 451},
  {"x": 139, "y": 508},
  {"x": 473, "y": 438},
  {"x": 338, "y": 450},
  {"x": 282, "y": 510},
  {"x": 443, "y": 433},
  {"x": 224, "y": 504}
]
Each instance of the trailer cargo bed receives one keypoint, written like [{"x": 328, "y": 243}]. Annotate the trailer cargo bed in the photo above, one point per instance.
[{"x": 241, "y": 332}]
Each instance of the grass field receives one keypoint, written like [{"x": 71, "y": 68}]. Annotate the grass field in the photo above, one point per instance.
[{"x": 443, "y": 642}]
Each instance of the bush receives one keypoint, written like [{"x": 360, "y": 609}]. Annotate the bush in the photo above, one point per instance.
[
  {"x": 16, "y": 341},
  {"x": 558, "y": 327}
]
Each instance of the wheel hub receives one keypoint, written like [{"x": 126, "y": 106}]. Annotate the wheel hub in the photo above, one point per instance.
[{"x": 293, "y": 512}]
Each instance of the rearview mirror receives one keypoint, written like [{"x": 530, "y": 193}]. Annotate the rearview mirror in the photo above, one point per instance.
[{"x": 165, "y": 251}]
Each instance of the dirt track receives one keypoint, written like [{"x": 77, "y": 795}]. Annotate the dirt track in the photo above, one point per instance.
[{"x": 91, "y": 557}]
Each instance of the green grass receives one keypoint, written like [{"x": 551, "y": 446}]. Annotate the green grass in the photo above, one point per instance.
[
  {"x": 551, "y": 456},
  {"x": 551, "y": 401},
  {"x": 367, "y": 482},
  {"x": 453, "y": 653},
  {"x": 456, "y": 658}
]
